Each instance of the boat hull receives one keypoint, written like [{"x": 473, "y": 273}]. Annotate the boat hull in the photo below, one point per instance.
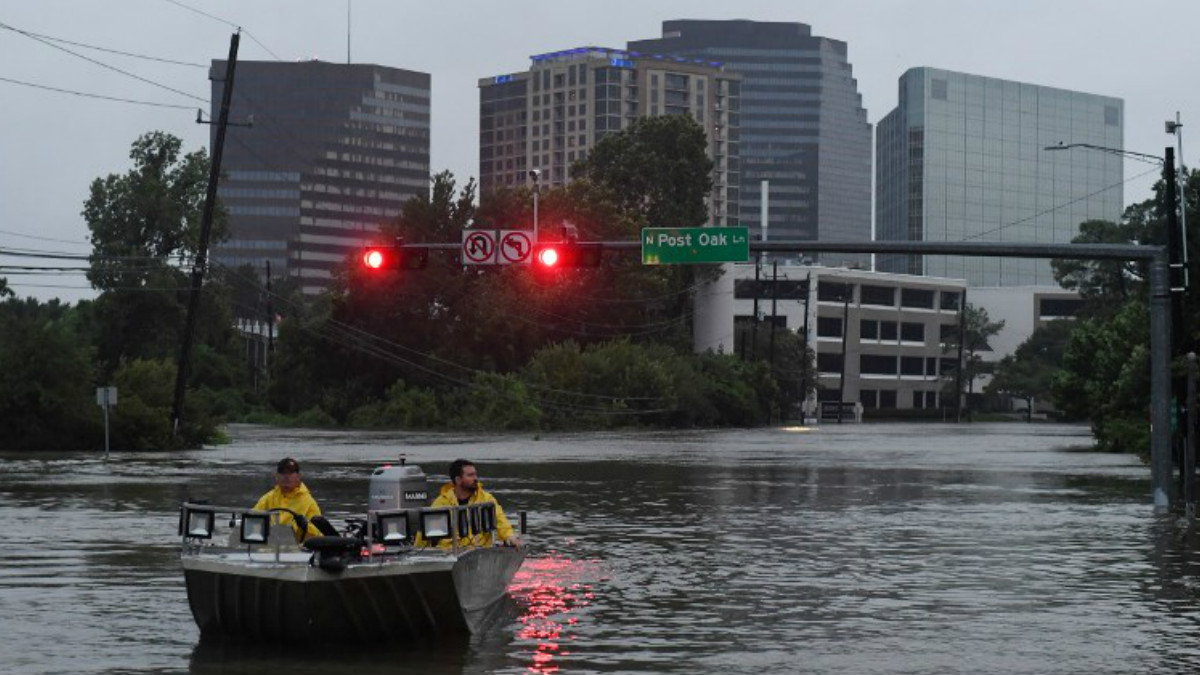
[{"x": 402, "y": 599}]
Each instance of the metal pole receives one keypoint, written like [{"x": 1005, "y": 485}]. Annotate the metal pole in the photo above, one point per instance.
[
  {"x": 754, "y": 324},
  {"x": 1178, "y": 131},
  {"x": 1189, "y": 456},
  {"x": 270, "y": 321},
  {"x": 958, "y": 372},
  {"x": 807, "y": 362},
  {"x": 106, "y": 406},
  {"x": 1160, "y": 384},
  {"x": 845, "y": 356},
  {"x": 774, "y": 314},
  {"x": 537, "y": 188}
]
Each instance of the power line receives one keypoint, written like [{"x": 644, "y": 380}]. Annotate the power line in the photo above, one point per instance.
[
  {"x": 146, "y": 57},
  {"x": 1061, "y": 206},
  {"x": 227, "y": 23},
  {"x": 101, "y": 63},
  {"x": 89, "y": 95},
  {"x": 34, "y": 236}
]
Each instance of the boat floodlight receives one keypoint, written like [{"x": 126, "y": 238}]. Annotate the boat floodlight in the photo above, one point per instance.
[
  {"x": 464, "y": 521},
  {"x": 199, "y": 523},
  {"x": 393, "y": 527},
  {"x": 256, "y": 527},
  {"x": 487, "y": 518},
  {"x": 435, "y": 523}
]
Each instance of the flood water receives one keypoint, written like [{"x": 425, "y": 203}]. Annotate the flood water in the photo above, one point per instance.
[{"x": 1002, "y": 548}]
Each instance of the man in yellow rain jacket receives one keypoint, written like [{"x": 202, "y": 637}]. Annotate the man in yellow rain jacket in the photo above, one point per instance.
[
  {"x": 465, "y": 489},
  {"x": 292, "y": 494}
]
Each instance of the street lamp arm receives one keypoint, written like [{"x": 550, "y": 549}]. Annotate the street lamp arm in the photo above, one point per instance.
[{"x": 1114, "y": 151}]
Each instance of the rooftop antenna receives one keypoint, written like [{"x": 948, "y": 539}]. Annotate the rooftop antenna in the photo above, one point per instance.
[{"x": 348, "y": 2}]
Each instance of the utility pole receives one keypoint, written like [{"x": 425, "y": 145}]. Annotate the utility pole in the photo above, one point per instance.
[
  {"x": 807, "y": 363},
  {"x": 958, "y": 372},
  {"x": 845, "y": 357},
  {"x": 754, "y": 325},
  {"x": 270, "y": 320},
  {"x": 774, "y": 301},
  {"x": 1175, "y": 246},
  {"x": 201, "y": 261}
]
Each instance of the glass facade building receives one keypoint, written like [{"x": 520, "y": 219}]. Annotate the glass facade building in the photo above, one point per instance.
[
  {"x": 803, "y": 126},
  {"x": 550, "y": 116},
  {"x": 963, "y": 158},
  {"x": 334, "y": 151}
]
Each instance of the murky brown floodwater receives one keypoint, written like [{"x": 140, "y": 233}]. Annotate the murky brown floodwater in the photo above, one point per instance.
[{"x": 872, "y": 549}]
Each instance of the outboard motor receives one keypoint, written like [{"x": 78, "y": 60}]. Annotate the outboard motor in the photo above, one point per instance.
[{"x": 397, "y": 487}]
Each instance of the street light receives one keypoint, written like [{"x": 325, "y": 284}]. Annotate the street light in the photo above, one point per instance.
[
  {"x": 1176, "y": 237},
  {"x": 536, "y": 176},
  {"x": 1176, "y": 129}
]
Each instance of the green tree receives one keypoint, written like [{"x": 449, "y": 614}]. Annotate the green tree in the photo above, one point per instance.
[
  {"x": 973, "y": 333},
  {"x": 1030, "y": 372},
  {"x": 144, "y": 225},
  {"x": 1105, "y": 378},
  {"x": 45, "y": 380},
  {"x": 657, "y": 171}
]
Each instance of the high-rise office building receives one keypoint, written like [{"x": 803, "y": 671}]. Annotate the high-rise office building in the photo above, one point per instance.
[
  {"x": 549, "y": 116},
  {"x": 964, "y": 158},
  {"x": 333, "y": 152},
  {"x": 803, "y": 126}
]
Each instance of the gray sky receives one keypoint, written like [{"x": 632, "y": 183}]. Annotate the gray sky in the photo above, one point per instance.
[{"x": 53, "y": 145}]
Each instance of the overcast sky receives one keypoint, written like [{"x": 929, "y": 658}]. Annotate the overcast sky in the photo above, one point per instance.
[{"x": 52, "y": 145}]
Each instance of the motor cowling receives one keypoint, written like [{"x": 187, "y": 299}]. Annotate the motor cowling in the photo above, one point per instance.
[{"x": 397, "y": 486}]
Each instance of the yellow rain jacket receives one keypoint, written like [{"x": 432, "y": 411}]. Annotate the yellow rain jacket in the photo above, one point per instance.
[
  {"x": 447, "y": 498},
  {"x": 300, "y": 500}
]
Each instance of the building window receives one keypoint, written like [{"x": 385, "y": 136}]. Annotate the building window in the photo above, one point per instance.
[
  {"x": 829, "y": 326},
  {"x": 938, "y": 89},
  {"x": 832, "y": 291},
  {"x": 868, "y": 330},
  {"x": 882, "y": 296},
  {"x": 887, "y": 331},
  {"x": 912, "y": 332},
  {"x": 887, "y": 399},
  {"x": 1059, "y": 307},
  {"x": 876, "y": 364},
  {"x": 1112, "y": 117},
  {"x": 912, "y": 365},
  {"x": 916, "y": 298},
  {"x": 869, "y": 398},
  {"x": 950, "y": 300},
  {"x": 829, "y": 363}
]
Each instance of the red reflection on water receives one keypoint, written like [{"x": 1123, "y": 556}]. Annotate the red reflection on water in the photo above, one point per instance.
[{"x": 549, "y": 590}]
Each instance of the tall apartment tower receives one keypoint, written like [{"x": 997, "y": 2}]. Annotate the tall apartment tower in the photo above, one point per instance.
[
  {"x": 964, "y": 158},
  {"x": 548, "y": 117},
  {"x": 803, "y": 126},
  {"x": 333, "y": 152}
]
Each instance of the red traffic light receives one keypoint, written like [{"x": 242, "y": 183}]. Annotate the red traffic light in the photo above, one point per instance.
[
  {"x": 374, "y": 258},
  {"x": 398, "y": 257},
  {"x": 548, "y": 256},
  {"x": 561, "y": 255}
]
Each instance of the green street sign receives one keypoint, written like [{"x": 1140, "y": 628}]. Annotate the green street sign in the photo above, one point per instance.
[{"x": 684, "y": 245}]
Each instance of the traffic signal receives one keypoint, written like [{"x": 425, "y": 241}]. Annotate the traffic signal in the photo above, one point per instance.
[
  {"x": 395, "y": 257},
  {"x": 557, "y": 255}
]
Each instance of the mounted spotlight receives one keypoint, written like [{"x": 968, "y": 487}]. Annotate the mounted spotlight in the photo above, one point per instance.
[
  {"x": 392, "y": 527},
  {"x": 256, "y": 527},
  {"x": 487, "y": 518},
  {"x": 199, "y": 523},
  {"x": 435, "y": 524}
]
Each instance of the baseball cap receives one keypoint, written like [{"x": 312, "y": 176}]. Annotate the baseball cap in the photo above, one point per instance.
[{"x": 287, "y": 465}]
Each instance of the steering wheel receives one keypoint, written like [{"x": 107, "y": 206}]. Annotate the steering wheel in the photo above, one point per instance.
[{"x": 301, "y": 521}]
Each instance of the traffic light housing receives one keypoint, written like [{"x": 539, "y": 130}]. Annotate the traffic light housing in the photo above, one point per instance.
[
  {"x": 563, "y": 254},
  {"x": 394, "y": 257}
]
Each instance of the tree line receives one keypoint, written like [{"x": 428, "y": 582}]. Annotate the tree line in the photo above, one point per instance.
[{"x": 450, "y": 346}]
